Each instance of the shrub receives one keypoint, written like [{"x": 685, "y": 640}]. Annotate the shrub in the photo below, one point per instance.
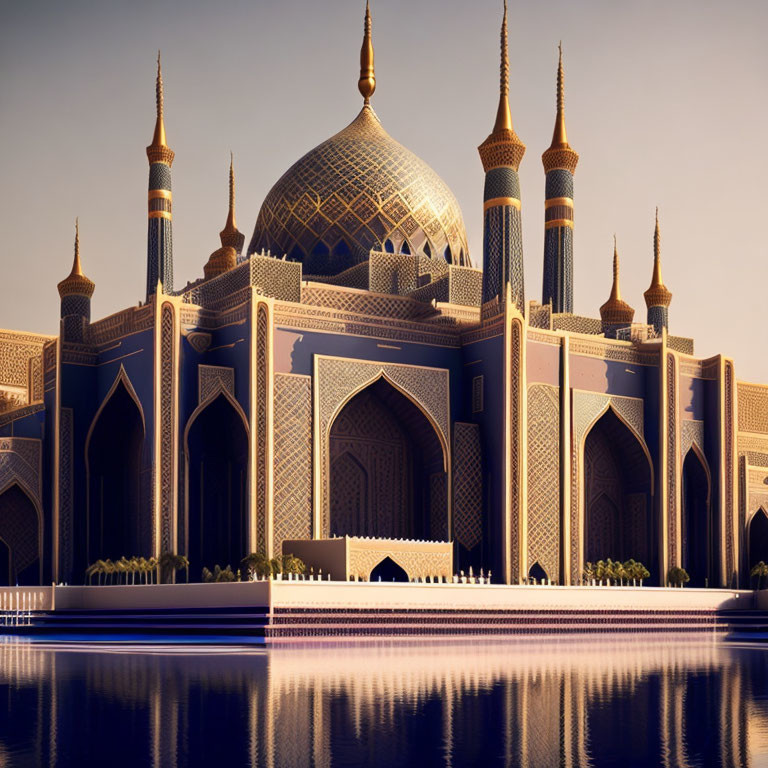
[
  {"x": 759, "y": 571},
  {"x": 218, "y": 575},
  {"x": 678, "y": 576}
]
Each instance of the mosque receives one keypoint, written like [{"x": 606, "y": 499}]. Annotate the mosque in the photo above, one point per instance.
[{"x": 355, "y": 375}]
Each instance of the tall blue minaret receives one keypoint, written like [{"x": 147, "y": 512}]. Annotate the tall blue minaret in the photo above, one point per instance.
[
  {"x": 75, "y": 291},
  {"x": 501, "y": 154},
  {"x": 159, "y": 226},
  {"x": 559, "y": 166},
  {"x": 657, "y": 297}
]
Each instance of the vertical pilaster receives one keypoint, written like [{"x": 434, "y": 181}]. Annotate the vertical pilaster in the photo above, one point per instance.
[
  {"x": 566, "y": 437},
  {"x": 662, "y": 481}
]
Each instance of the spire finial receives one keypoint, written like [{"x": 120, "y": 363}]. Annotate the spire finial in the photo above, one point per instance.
[
  {"x": 615, "y": 311},
  {"x": 76, "y": 282},
  {"x": 615, "y": 290},
  {"x": 559, "y": 136},
  {"x": 503, "y": 115},
  {"x": 158, "y": 140},
  {"x": 230, "y": 235},
  {"x": 657, "y": 294},
  {"x": 367, "y": 82},
  {"x": 76, "y": 267}
]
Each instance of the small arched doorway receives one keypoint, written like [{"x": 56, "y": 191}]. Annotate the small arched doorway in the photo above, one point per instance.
[
  {"x": 19, "y": 538},
  {"x": 388, "y": 570},
  {"x": 758, "y": 538},
  {"x": 387, "y": 469},
  {"x": 696, "y": 521},
  {"x": 217, "y": 456},
  {"x": 119, "y": 524},
  {"x": 619, "y": 520},
  {"x": 537, "y": 572}
]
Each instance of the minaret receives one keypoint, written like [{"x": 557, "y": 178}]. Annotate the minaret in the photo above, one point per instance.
[
  {"x": 559, "y": 166},
  {"x": 615, "y": 313},
  {"x": 159, "y": 228},
  {"x": 501, "y": 154},
  {"x": 225, "y": 258},
  {"x": 76, "y": 291},
  {"x": 657, "y": 297}
]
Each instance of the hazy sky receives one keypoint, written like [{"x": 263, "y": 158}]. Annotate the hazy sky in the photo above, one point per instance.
[{"x": 665, "y": 102}]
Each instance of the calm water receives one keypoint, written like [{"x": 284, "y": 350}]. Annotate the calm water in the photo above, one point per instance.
[{"x": 583, "y": 703}]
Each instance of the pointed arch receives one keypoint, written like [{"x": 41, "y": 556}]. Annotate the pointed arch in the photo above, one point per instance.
[
  {"x": 381, "y": 374},
  {"x": 617, "y": 492},
  {"x": 216, "y": 462},
  {"x": 130, "y": 521},
  {"x": 696, "y": 516},
  {"x": 757, "y": 537},
  {"x": 392, "y": 486},
  {"x": 23, "y": 542},
  {"x": 388, "y": 569}
]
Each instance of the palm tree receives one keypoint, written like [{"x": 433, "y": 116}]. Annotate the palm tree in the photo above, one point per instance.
[{"x": 760, "y": 571}]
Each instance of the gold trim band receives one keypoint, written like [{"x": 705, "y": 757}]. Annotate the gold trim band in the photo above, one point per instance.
[
  {"x": 160, "y": 215},
  {"x": 553, "y": 201},
  {"x": 496, "y": 201},
  {"x": 155, "y": 193},
  {"x": 558, "y": 223}
]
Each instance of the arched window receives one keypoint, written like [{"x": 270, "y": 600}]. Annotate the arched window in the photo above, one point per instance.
[
  {"x": 405, "y": 248},
  {"x": 448, "y": 254},
  {"x": 389, "y": 246},
  {"x": 341, "y": 249},
  {"x": 427, "y": 250}
]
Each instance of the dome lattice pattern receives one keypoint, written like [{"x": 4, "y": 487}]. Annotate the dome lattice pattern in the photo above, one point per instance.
[{"x": 350, "y": 195}]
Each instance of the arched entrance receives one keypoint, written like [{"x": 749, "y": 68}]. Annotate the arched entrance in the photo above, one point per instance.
[
  {"x": 617, "y": 495},
  {"x": 388, "y": 570},
  {"x": 217, "y": 513},
  {"x": 119, "y": 524},
  {"x": 696, "y": 521},
  {"x": 758, "y": 538},
  {"x": 19, "y": 538},
  {"x": 387, "y": 471}
]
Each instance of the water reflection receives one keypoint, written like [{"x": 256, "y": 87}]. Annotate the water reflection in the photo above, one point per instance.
[{"x": 515, "y": 704}]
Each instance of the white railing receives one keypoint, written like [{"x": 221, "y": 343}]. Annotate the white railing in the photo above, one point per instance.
[{"x": 18, "y": 605}]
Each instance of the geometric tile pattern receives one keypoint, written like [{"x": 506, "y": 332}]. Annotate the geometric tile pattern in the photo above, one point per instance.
[
  {"x": 212, "y": 378},
  {"x": 467, "y": 485},
  {"x": 516, "y": 437},
  {"x": 293, "y": 459},
  {"x": 167, "y": 413},
  {"x": 672, "y": 460},
  {"x": 261, "y": 426},
  {"x": 753, "y": 408},
  {"x": 66, "y": 494},
  {"x": 730, "y": 429},
  {"x": 349, "y": 195},
  {"x": 544, "y": 477}
]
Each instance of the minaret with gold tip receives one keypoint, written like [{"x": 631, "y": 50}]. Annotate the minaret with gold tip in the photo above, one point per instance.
[
  {"x": 76, "y": 291},
  {"x": 559, "y": 166},
  {"x": 615, "y": 313},
  {"x": 501, "y": 154},
  {"x": 159, "y": 227},
  {"x": 225, "y": 258},
  {"x": 657, "y": 297},
  {"x": 366, "y": 84}
]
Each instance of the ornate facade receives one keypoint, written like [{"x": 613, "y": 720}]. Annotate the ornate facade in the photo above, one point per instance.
[{"x": 353, "y": 374}]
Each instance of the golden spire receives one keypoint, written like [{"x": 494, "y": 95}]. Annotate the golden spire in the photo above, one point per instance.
[
  {"x": 560, "y": 154},
  {"x": 230, "y": 235},
  {"x": 503, "y": 114},
  {"x": 615, "y": 311},
  {"x": 367, "y": 82},
  {"x": 657, "y": 295},
  {"x": 503, "y": 147},
  {"x": 158, "y": 151},
  {"x": 76, "y": 282}
]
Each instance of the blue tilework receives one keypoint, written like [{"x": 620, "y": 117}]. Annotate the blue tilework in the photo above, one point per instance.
[
  {"x": 501, "y": 182},
  {"x": 559, "y": 184}
]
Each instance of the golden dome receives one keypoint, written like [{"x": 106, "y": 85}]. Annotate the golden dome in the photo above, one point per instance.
[{"x": 359, "y": 191}]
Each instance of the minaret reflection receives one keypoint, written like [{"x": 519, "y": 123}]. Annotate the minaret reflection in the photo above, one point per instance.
[{"x": 532, "y": 705}]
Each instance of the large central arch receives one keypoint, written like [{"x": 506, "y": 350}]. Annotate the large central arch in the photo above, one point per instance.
[
  {"x": 618, "y": 482},
  {"x": 387, "y": 468},
  {"x": 216, "y": 447},
  {"x": 758, "y": 538},
  {"x": 119, "y": 519}
]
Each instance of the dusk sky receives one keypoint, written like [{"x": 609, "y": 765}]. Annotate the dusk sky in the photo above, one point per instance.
[{"x": 665, "y": 103}]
